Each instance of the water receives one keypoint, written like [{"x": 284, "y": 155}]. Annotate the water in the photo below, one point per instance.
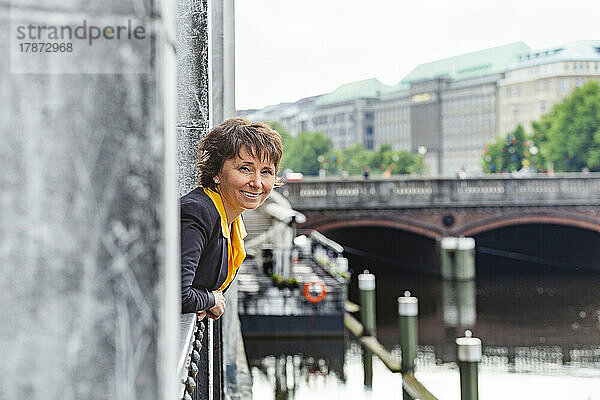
[{"x": 540, "y": 330}]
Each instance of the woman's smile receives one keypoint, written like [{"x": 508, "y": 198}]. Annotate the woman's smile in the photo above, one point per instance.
[
  {"x": 251, "y": 195},
  {"x": 245, "y": 182}
]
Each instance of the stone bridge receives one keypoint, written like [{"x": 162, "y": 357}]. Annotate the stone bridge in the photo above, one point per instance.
[{"x": 437, "y": 207}]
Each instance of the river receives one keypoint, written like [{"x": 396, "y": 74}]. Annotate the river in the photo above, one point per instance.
[{"x": 540, "y": 329}]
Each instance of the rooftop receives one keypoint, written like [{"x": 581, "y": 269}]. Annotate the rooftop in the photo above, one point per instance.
[
  {"x": 588, "y": 50},
  {"x": 471, "y": 65},
  {"x": 367, "y": 88}
]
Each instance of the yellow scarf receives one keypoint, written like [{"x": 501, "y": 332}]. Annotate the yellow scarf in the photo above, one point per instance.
[{"x": 235, "y": 237}]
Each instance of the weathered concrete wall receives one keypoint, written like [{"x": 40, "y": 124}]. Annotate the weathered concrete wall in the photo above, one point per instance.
[
  {"x": 197, "y": 88},
  {"x": 192, "y": 87},
  {"x": 87, "y": 261}
]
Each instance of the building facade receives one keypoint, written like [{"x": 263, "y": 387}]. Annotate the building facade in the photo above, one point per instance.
[
  {"x": 537, "y": 80},
  {"x": 449, "y": 109},
  {"x": 392, "y": 119},
  {"x": 347, "y": 115}
]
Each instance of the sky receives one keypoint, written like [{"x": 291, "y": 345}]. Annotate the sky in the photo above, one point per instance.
[{"x": 290, "y": 49}]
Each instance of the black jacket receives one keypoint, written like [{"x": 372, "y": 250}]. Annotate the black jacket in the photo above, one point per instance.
[{"x": 204, "y": 257}]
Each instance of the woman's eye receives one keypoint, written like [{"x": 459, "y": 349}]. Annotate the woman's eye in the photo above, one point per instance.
[
  {"x": 268, "y": 172},
  {"x": 245, "y": 169}
]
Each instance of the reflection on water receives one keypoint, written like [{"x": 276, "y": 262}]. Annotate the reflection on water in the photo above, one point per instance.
[
  {"x": 304, "y": 376},
  {"x": 535, "y": 322},
  {"x": 524, "y": 319}
]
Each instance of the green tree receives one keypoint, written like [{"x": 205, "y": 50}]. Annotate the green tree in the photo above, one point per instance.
[
  {"x": 405, "y": 162},
  {"x": 285, "y": 136},
  {"x": 569, "y": 135},
  {"x": 511, "y": 153},
  {"x": 302, "y": 153},
  {"x": 355, "y": 158},
  {"x": 398, "y": 162}
]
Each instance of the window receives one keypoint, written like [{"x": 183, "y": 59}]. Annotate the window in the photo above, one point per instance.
[
  {"x": 564, "y": 85},
  {"x": 369, "y": 116},
  {"x": 322, "y": 120},
  {"x": 542, "y": 106},
  {"x": 369, "y": 130}
]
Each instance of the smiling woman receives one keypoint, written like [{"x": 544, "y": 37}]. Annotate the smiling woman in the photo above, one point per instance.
[{"x": 237, "y": 165}]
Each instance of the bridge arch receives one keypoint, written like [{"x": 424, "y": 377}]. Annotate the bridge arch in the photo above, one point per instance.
[
  {"x": 422, "y": 229},
  {"x": 563, "y": 219}
]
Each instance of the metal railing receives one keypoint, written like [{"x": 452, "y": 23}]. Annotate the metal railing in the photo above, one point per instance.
[
  {"x": 273, "y": 301},
  {"x": 200, "y": 362}
]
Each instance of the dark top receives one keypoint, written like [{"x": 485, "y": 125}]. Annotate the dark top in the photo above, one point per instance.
[{"x": 204, "y": 257}]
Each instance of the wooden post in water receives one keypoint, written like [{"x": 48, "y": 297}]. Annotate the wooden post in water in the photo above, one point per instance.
[
  {"x": 468, "y": 356},
  {"x": 366, "y": 286},
  {"x": 408, "y": 310}
]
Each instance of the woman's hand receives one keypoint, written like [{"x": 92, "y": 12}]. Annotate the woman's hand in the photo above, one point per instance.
[{"x": 219, "y": 307}]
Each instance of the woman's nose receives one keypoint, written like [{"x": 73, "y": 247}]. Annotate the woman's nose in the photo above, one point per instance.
[{"x": 255, "y": 181}]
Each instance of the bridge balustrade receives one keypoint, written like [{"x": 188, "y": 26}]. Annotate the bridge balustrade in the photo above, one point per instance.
[{"x": 559, "y": 189}]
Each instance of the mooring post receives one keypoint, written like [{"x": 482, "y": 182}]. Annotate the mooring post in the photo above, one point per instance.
[
  {"x": 366, "y": 286},
  {"x": 469, "y": 356},
  {"x": 447, "y": 257},
  {"x": 465, "y": 259},
  {"x": 408, "y": 310},
  {"x": 457, "y": 258}
]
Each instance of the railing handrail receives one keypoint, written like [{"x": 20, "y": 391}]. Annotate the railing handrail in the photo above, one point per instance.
[
  {"x": 187, "y": 327},
  {"x": 409, "y": 383},
  {"x": 497, "y": 190},
  {"x": 417, "y": 178},
  {"x": 199, "y": 363}
]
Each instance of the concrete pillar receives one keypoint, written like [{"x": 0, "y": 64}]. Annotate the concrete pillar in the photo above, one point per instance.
[
  {"x": 447, "y": 255},
  {"x": 88, "y": 208},
  {"x": 465, "y": 259},
  {"x": 457, "y": 258},
  {"x": 222, "y": 60}
]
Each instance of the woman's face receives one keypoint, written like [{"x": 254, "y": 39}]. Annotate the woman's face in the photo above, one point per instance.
[{"x": 245, "y": 182}]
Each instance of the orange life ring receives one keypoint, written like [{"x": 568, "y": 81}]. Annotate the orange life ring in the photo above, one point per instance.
[{"x": 309, "y": 296}]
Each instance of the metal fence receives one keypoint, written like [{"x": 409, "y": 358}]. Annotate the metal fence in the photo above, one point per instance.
[{"x": 200, "y": 363}]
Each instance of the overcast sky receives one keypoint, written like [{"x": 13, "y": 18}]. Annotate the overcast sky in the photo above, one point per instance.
[{"x": 289, "y": 49}]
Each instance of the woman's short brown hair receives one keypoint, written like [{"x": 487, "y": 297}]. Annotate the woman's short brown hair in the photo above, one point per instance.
[{"x": 227, "y": 140}]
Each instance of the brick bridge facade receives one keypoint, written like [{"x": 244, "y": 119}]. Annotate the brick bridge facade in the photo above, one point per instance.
[{"x": 448, "y": 207}]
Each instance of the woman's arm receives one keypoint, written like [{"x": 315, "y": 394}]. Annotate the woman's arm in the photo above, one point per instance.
[{"x": 193, "y": 239}]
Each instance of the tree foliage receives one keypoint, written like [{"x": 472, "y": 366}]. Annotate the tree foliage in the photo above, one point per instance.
[
  {"x": 285, "y": 136},
  {"x": 302, "y": 153},
  {"x": 568, "y": 137},
  {"x": 569, "y": 134},
  {"x": 354, "y": 159},
  {"x": 511, "y": 153},
  {"x": 312, "y": 151}
]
